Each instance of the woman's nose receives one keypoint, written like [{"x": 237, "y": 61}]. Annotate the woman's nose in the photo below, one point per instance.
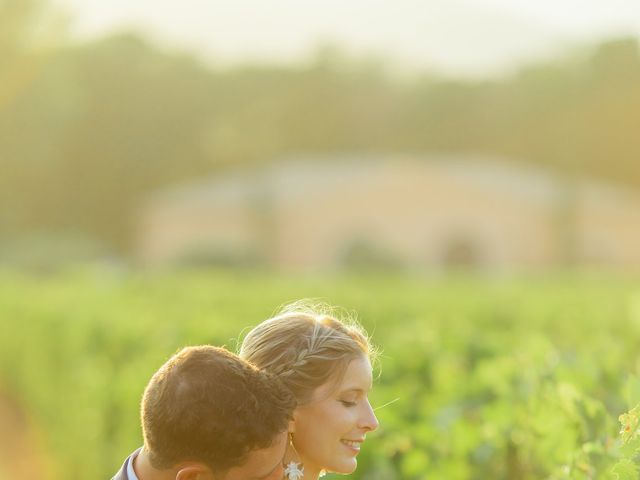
[{"x": 369, "y": 421}]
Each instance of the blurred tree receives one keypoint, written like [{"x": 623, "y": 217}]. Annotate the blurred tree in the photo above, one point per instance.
[
  {"x": 28, "y": 30},
  {"x": 29, "y": 33},
  {"x": 140, "y": 126},
  {"x": 92, "y": 128}
]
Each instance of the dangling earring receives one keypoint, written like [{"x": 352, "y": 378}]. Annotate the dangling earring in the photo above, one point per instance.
[{"x": 293, "y": 470}]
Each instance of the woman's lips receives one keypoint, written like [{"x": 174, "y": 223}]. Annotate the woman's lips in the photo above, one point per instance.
[{"x": 353, "y": 445}]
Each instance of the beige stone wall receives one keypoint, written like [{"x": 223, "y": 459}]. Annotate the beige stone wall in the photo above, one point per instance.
[
  {"x": 168, "y": 233},
  {"x": 416, "y": 211},
  {"x": 609, "y": 231}
]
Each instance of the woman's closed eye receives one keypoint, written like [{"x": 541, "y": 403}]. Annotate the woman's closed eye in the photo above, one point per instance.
[{"x": 348, "y": 403}]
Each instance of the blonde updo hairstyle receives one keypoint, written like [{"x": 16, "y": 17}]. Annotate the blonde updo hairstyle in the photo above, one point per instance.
[{"x": 306, "y": 345}]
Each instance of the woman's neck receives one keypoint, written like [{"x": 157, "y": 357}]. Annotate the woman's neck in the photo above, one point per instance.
[{"x": 311, "y": 474}]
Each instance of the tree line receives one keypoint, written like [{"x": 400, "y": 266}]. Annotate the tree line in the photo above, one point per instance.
[{"x": 87, "y": 130}]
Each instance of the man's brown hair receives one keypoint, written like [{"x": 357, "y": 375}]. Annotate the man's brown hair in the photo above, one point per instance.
[{"x": 206, "y": 404}]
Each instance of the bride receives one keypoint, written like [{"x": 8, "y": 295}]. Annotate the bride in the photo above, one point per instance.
[{"x": 326, "y": 363}]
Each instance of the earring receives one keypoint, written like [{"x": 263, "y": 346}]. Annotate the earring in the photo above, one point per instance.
[{"x": 293, "y": 470}]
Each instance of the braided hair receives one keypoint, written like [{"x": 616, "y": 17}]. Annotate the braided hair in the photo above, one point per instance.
[{"x": 306, "y": 345}]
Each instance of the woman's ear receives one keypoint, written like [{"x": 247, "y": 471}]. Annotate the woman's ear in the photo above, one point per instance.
[{"x": 292, "y": 425}]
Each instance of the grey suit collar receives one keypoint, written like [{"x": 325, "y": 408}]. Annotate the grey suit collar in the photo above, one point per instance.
[{"x": 122, "y": 474}]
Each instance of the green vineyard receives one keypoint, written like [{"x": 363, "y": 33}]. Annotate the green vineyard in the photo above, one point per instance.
[{"x": 477, "y": 379}]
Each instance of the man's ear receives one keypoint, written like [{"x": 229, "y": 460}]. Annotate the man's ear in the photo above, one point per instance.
[{"x": 194, "y": 472}]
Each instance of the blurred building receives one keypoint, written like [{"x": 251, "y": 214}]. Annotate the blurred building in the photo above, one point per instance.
[{"x": 393, "y": 212}]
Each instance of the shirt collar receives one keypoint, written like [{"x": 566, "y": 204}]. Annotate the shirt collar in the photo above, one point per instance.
[{"x": 131, "y": 474}]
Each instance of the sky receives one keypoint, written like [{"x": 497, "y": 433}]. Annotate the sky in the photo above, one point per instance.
[{"x": 465, "y": 38}]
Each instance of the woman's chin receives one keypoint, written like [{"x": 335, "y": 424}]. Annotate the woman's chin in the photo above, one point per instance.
[{"x": 346, "y": 467}]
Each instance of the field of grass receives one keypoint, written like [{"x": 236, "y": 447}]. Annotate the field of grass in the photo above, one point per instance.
[{"x": 484, "y": 379}]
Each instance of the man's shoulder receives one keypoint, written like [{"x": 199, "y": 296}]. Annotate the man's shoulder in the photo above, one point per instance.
[{"x": 122, "y": 473}]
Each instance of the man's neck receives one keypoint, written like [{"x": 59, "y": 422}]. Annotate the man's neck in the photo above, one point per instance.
[{"x": 145, "y": 471}]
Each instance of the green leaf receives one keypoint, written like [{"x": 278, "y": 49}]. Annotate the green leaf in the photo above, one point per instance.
[{"x": 625, "y": 469}]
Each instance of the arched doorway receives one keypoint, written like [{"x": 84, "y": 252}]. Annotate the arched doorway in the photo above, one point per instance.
[{"x": 462, "y": 253}]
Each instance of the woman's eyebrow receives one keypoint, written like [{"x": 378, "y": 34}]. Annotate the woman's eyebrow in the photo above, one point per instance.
[{"x": 354, "y": 390}]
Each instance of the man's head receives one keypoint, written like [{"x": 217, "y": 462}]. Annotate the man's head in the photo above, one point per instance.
[{"x": 206, "y": 405}]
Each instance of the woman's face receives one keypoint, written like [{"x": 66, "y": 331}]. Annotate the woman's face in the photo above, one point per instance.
[{"x": 329, "y": 431}]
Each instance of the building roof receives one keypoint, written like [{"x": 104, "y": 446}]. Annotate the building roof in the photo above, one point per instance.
[{"x": 294, "y": 177}]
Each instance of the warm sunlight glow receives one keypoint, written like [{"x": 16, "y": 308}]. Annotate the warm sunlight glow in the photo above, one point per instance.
[{"x": 461, "y": 37}]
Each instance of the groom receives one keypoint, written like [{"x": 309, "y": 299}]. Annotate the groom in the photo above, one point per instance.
[{"x": 208, "y": 415}]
